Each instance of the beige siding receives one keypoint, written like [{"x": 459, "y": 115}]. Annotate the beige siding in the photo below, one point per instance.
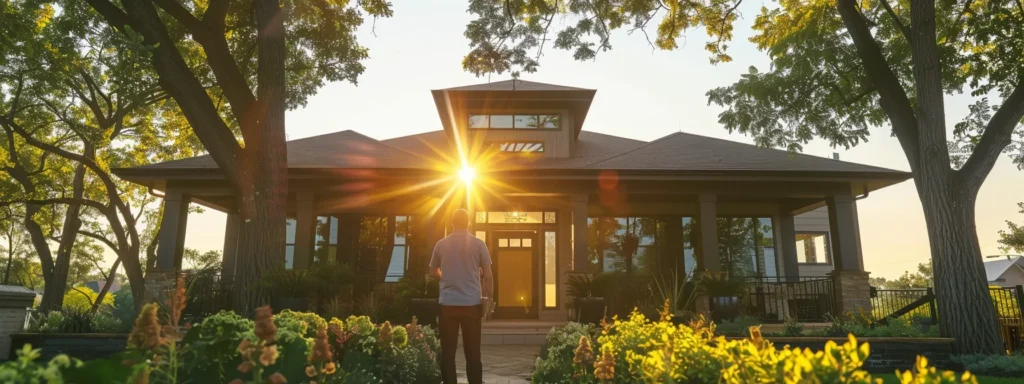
[{"x": 813, "y": 221}]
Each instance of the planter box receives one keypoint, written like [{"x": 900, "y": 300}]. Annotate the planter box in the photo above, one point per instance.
[
  {"x": 887, "y": 353},
  {"x": 425, "y": 310},
  {"x": 85, "y": 346}
]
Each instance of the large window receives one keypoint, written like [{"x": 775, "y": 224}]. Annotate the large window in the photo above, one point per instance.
[
  {"x": 624, "y": 244},
  {"x": 289, "y": 243},
  {"x": 746, "y": 246},
  {"x": 689, "y": 261},
  {"x": 388, "y": 242},
  {"x": 326, "y": 242},
  {"x": 812, "y": 248},
  {"x": 515, "y": 121}
]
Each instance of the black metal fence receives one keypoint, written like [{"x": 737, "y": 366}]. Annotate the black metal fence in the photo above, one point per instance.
[
  {"x": 207, "y": 293},
  {"x": 1007, "y": 301},
  {"x": 805, "y": 299},
  {"x": 911, "y": 303}
]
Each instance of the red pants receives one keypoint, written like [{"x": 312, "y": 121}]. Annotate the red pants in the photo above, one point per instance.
[{"x": 468, "y": 318}]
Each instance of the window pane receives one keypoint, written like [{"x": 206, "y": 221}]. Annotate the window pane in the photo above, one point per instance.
[
  {"x": 514, "y": 243},
  {"x": 526, "y": 121},
  {"x": 527, "y": 243},
  {"x": 396, "y": 268},
  {"x": 549, "y": 121},
  {"x": 769, "y": 263},
  {"x": 515, "y": 217},
  {"x": 501, "y": 121},
  {"x": 481, "y": 217},
  {"x": 550, "y": 270},
  {"x": 401, "y": 229},
  {"x": 289, "y": 232},
  {"x": 812, "y": 248},
  {"x": 478, "y": 121},
  {"x": 819, "y": 248},
  {"x": 550, "y": 217},
  {"x": 482, "y": 235},
  {"x": 801, "y": 251},
  {"x": 532, "y": 147},
  {"x": 334, "y": 231},
  {"x": 502, "y": 243},
  {"x": 289, "y": 256}
]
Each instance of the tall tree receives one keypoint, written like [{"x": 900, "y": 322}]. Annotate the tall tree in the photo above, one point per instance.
[
  {"x": 261, "y": 57},
  {"x": 839, "y": 67}
]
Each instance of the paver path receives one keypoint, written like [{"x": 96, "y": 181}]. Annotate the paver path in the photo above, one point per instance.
[{"x": 503, "y": 364}]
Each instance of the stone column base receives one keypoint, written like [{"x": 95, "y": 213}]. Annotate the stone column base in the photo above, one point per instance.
[
  {"x": 852, "y": 292},
  {"x": 158, "y": 284}
]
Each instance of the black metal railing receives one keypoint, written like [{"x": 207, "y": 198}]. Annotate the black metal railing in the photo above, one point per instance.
[
  {"x": 804, "y": 299},
  {"x": 207, "y": 293},
  {"x": 1007, "y": 301},
  {"x": 897, "y": 303}
]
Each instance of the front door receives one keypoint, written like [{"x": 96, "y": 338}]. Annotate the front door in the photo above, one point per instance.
[{"x": 515, "y": 261}]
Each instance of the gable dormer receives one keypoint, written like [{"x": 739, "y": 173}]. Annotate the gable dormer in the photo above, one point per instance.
[{"x": 515, "y": 117}]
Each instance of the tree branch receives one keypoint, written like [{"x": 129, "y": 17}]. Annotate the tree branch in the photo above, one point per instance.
[
  {"x": 114, "y": 15},
  {"x": 996, "y": 137},
  {"x": 892, "y": 97},
  {"x": 102, "y": 239},
  {"x": 896, "y": 19}
]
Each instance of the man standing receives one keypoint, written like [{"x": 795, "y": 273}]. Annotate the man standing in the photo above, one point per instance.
[{"x": 460, "y": 260}]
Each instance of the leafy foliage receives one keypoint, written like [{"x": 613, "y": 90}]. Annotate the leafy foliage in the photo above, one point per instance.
[
  {"x": 920, "y": 279},
  {"x": 1012, "y": 239},
  {"x": 994, "y": 365},
  {"x": 638, "y": 350}
]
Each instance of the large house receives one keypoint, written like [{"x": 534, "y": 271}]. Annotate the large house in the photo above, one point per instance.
[{"x": 550, "y": 197}]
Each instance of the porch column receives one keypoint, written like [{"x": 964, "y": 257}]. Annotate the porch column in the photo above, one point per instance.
[
  {"x": 787, "y": 239},
  {"x": 231, "y": 227},
  {"x": 851, "y": 287},
  {"x": 707, "y": 220},
  {"x": 172, "y": 230},
  {"x": 304, "y": 223},
  {"x": 580, "y": 256},
  {"x": 348, "y": 238}
]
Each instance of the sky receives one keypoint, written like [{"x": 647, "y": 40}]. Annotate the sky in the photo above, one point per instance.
[{"x": 641, "y": 94}]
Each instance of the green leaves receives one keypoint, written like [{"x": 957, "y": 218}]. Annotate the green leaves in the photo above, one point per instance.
[{"x": 510, "y": 36}]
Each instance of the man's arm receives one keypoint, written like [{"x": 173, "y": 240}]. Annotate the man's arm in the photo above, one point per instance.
[
  {"x": 435, "y": 263},
  {"x": 435, "y": 272},
  {"x": 487, "y": 282}
]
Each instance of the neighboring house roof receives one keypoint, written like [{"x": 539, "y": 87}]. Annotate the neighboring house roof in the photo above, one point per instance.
[
  {"x": 995, "y": 269},
  {"x": 594, "y": 151}
]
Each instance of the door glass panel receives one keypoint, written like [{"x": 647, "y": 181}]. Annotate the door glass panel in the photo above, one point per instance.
[
  {"x": 550, "y": 270},
  {"x": 502, "y": 243},
  {"x": 482, "y": 235},
  {"x": 527, "y": 243},
  {"x": 515, "y": 283},
  {"x": 514, "y": 243}
]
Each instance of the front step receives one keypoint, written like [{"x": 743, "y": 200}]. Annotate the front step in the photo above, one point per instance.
[{"x": 498, "y": 332}]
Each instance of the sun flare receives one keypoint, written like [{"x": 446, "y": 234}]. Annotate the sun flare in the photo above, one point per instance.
[{"x": 467, "y": 174}]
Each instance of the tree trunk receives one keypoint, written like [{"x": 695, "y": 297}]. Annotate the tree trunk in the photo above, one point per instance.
[
  {"x": 106, "y": 286},
  {"x": 56, "y": 285},
  {"x": 263, "y": 166},
  {"x": 965, "y": 306}
]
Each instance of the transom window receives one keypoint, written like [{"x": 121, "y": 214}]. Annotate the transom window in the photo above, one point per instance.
[
  {"x": 515, "y": 121},
  {"x": 520, "y": 146},
  {"x": 515, "y": 217}
]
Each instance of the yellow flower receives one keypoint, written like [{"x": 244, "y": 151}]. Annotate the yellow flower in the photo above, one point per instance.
[
  {"x": 269, "y": 355},
  {"x": 329, "y": 368}
]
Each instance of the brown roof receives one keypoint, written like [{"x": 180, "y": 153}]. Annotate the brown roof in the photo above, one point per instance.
[
  {"x": 515, "y": 85},
  {"x": 685, "y": 151},
  {"x": 594, "y": 151}
]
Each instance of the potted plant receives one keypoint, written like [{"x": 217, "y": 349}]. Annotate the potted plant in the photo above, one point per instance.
[
  {"x": 588, "y": 299},
  {"x": 421, "y": 294},
  {"x": 723, "y": 293},
  {"x": 289, "y": 289},
  {"x": 327, "y": 279}
]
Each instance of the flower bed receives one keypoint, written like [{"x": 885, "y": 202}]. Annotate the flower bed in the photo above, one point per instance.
[
  {"x": 639, "y": 350},
  {"x": 81, "y": 345}
]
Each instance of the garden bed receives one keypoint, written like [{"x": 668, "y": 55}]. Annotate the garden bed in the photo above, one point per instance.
[
  {"x": 85, "y": 346},
  {"x": 887, "y": 353}
]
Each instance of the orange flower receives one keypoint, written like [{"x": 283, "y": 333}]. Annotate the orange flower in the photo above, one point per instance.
[
  {"x": 384, "y": 338},
  {"x": 269, "y": 355},
  {"x": 244, "y": 347},
  {"x": 245, "y": 367},
  {"x": 310, "y": 371},
  {"x": 604, "y": 367},
  {"x": 583, "y": 352},
  {"x": 321, "y": 348},
  {"x": 146, "y": 332},
  {"x": 265, "y": 328},
  {"x": 277, "y": 378},
  {"x": 177, "y": 301},
  {"x": 329, "y": 368}
]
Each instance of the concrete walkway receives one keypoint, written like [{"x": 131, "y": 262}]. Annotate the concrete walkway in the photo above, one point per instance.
[{"x": 503, "y": 364}]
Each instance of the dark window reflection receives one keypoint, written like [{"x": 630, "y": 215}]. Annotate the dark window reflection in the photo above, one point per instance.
[{"x": 746, "y": 246}]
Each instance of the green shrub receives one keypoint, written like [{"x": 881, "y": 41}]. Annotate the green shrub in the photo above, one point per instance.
[
  {"x": 213, "y": 347},
  {"x": 638, "y": 350},
  {"x": 992, "y": 365},
  {"x": 792, "y": 327},
  {"x": 25, "y": 369},
  {"x": 554, "y": 365},
  {"x": 737, "y": 326},
  {"x": 310, "y": 322},
  {"x": 74, "y": 320},
  {"x": 124, "y": 307}
]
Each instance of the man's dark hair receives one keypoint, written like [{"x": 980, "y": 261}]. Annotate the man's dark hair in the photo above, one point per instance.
[{"x": 460, "y": 219}]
